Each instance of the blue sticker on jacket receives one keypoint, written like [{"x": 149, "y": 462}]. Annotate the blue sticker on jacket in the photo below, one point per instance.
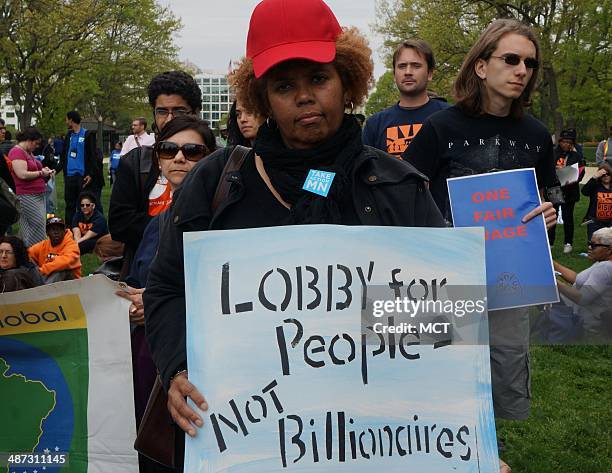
[{"x": 319, "y": 182}]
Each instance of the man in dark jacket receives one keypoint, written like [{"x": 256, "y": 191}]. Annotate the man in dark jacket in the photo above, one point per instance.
[
  {"x": 136, "y": 192},
  {"x": 78, "y": 161},
  {"x": 566, "y": 155}
]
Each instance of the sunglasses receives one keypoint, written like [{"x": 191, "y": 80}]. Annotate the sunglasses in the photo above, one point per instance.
[
  {"x": 191, "y": 151},
  {"x": 595, "y": 245},
  {"x": 515, "y": 59},
  {"x": 176, "y": 112},
  {"x": 86, "y": 205}
]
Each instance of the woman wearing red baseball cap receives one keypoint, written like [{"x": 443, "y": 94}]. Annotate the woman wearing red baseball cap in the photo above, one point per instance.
[{"x": 304, "y": 72}]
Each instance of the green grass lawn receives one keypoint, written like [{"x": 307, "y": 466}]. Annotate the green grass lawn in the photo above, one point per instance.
[
  {"x": 570, "y": 428},
  {"x": 589, "y": 153}
]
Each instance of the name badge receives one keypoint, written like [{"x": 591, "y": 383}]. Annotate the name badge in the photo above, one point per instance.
[
  {"x": 73, "y": 154},
  {"x": 319, "y": 182},
  {"x": 81, "y": 139}
]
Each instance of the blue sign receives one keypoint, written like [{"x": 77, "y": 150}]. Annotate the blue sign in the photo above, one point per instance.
[
  {"x": 319, "y": 182},
  {"x": 519, "y": 264}
]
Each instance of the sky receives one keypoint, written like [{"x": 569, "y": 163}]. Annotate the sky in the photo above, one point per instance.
[{"x": 215, "y": 31}]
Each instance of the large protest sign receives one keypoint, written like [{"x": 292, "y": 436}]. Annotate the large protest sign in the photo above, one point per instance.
[
  {"x": 519, "y": 263},
  {"x": 66, "y": 392},
  {"x": 276, "y": 345}
]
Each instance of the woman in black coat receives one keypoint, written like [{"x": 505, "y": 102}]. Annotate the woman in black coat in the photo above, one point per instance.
[{"x": 306, "y": 97}]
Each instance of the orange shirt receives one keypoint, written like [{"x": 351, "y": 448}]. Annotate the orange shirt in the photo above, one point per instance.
[
  {"x": 160, "y": 196},
  {"x": 603, "y": 210},
  {"x": 49, "y": 258}
]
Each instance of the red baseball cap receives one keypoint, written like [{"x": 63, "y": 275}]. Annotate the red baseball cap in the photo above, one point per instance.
[{"x": 291, "y": 29}]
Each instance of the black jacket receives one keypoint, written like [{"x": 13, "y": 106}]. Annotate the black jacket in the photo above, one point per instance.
[
  {"x": 128, "y": 213},
  {"x": 386, "y": 191},
  {"x": 92, "y": 166}
]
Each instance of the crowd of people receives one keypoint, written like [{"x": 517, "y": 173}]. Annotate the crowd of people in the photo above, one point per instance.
[{"x": 294, "y": 112}]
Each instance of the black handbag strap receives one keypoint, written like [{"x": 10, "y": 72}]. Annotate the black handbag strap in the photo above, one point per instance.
[{"x": 233, "y": 164}]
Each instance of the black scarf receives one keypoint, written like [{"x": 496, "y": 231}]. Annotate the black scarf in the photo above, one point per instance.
[{"x": 288, "y": 168}]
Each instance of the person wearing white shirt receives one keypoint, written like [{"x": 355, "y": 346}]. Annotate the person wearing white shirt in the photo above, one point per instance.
[{"x": 139, "y": 138}]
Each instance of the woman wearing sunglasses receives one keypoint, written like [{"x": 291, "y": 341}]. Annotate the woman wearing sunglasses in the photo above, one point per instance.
[
  {"x": 181, "y": 144},
  {"x": 88, "y": 223},
  {"x": 599, "y": 190},
  {"x": 591, "y": 290}
]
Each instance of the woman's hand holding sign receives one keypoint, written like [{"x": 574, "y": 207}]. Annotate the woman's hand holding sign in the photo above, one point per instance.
[{"x": 185, "y": 417}]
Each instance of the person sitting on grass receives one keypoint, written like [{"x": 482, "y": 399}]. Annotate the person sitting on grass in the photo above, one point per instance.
[
  {"x": 16, "y": 270},
  {"x": 88, "y": 224},
  {"x": 591, "y": 289},
  {"x": 58, "y": 256}
]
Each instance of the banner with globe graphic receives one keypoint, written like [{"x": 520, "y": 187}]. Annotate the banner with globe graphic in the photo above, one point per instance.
[{"x": 66, "y": 395}]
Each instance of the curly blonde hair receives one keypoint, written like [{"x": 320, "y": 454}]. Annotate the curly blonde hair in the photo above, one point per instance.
[{"x": 353, "y": 62}]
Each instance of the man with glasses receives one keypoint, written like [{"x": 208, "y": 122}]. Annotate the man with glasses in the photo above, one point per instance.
[
  {"x": 140, "y": 191},
  {"x": 486, "y": 131},
  {"x": 139, "y": 138}
]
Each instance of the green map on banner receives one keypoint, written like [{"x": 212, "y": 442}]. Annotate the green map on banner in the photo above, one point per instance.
[{"x": 43, "y": 388}]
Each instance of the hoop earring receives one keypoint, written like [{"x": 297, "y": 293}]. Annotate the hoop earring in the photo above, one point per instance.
[
  {"x": 271, "y": 123},
  {"x": 350, "y": 105}
]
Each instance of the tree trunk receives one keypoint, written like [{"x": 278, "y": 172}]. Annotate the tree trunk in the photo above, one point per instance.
[
  {"x": 100, "y": 134},
  {"x": 551, "y": 79}
]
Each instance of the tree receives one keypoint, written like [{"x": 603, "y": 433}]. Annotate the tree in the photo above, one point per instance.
[
  {"x": 97, "y": 53},
  {"x": 574, "y": 36},
  {"x": 136, "y": 45},
  {"x": 384, "y": 95}
]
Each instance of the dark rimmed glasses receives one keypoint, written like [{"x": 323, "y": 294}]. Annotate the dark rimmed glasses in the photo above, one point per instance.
[
  {"x": 595, "y": 245},
  {"x": 176, "y": 112},
  {"x": 515, "y": 59},
  {"x": 191, "y": 151}
]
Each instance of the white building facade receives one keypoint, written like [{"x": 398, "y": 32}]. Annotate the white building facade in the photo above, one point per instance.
[
  {"x": 216, "y": 97},
  {"x": 7, "y": 110}
]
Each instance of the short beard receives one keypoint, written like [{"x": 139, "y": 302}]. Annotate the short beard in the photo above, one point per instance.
[{"x": 413, "y": 92}]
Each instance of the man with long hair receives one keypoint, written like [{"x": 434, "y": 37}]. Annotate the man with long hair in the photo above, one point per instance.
[{"x": 487, "y": 131}]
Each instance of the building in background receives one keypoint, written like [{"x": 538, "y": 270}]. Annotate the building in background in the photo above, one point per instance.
[
  {"x": 7, "y": 109},
  {"x": 216, "y": 97}
]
